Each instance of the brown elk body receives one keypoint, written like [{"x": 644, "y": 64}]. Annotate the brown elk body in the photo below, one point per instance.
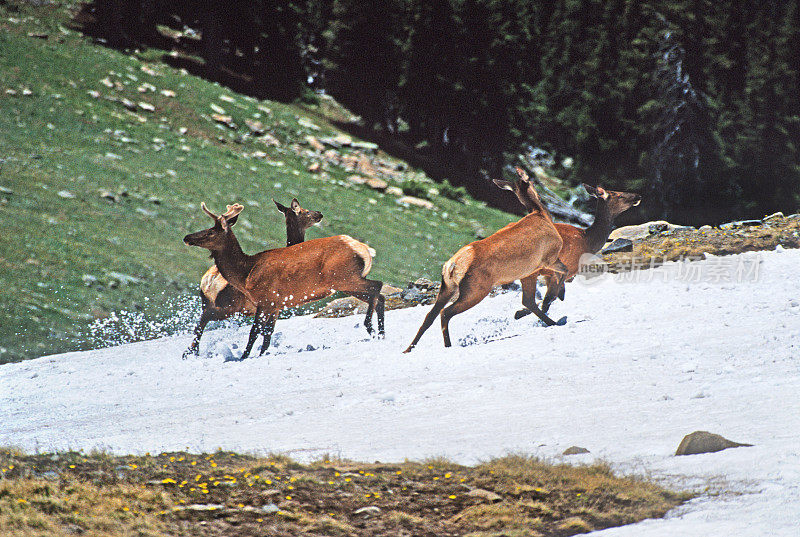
[
  {"x": 577, "y": 241},
  {"x": 512, "y": 253},
  {"x": 221, "y": 300},
  {"x": 287, "y": 277}
]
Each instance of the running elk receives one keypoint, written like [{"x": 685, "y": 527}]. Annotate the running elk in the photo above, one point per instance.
[
  {"x": 221, "y": 300},
  {"x": 577, "y": 241},
  {"x": 287, "y": 277},
  {"x": 517, "y": 250}
]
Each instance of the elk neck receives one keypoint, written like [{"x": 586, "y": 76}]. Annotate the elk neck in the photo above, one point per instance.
[
  {"x": 597, "y": 234},
  {"x": 232, "y": 262},
  {"x": 294, "y": 235}
]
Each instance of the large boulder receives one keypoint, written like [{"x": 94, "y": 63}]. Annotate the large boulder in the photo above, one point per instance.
[
  {"x": 642, "y": 231},
  {"x": 705, "y": 442}
]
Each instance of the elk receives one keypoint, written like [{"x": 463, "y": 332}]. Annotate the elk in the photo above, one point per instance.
[
  {"x": 221, "y": 300},
  {"x": 577, "y": 241},
  {"x": 287, "y": 277},
  {"x": 515, "y": 251}
]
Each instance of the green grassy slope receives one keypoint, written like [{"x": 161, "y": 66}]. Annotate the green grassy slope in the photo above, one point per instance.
[{"x": 67, "y": 140}]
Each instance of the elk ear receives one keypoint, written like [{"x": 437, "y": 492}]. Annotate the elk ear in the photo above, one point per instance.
[
  {"x": 592, "y": 191},
  {"x": 505, "y": 185},
  {"x": 602, "y": 193},
  {"x": 522, "y": 174},
  {"x": 295, "y": 205},
  {"x": 282, "y": 208}
]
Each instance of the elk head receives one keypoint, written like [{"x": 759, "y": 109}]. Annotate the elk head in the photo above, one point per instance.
[
  {"x": 298, "y": 217},
  {"x": 216, "y": 237},
  {"x": 617, "y": 202}
]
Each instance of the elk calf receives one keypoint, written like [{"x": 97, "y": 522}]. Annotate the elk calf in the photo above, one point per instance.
[
  {"x": 287, "y": 277},
  {"x": 515, "y": 251},
  {"x": 221, "y": 300},
  {"x": 577, "y": 241}
]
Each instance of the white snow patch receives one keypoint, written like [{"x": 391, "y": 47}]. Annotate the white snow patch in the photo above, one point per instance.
[{"x": 637, "y": 367}]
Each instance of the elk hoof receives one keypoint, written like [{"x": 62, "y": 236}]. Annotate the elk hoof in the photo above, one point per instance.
[
  {"x": 562, "y": 321},
  {"x": 521, "y": 313}
]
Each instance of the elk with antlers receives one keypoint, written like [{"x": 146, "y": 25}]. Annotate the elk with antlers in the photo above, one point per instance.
[
  {"x": 517, "y": 250},
  {"x": 287, "y": 277},
  {"x": 221, "y": 300},
  {"x": 577, "y": 241}
]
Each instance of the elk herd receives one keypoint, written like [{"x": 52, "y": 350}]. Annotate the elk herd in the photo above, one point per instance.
[{"x": 264, "y": 284}]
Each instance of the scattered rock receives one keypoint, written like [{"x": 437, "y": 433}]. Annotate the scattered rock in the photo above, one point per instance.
[
  {"x": 394, "y": 191},
  {"x": 66, "y": 194},
  {"x": 124, "y": 279},
  {"x": 217, "y": 109},
  {"x": 773, "y": 216},
  {"x": 364, "y": 165},
  {"x": 575, "y": 450},
  {"x": 417, "y": 202},
  {"x": 270, "y": 508},
  {"x": 269, "y": 140},
  {"x": 705, "y": 442},
  {"x": 110, "y": 196},
  {"x": 357, "y": 179},
  {"x": 256, "y": 127},
  {"x": 127, "y": 103},
  {"x": 202, "y": 507},
  {"x": 368, "y": 146},
  {"x": 315, "y": 167},
  {"x": 368, "y": 511},
  {"x": 619, "y": 245},
  {"x": 38, "y": 35},
  {"x": 314, "y": 143},
  {"x": 167, "y": 93},
  {"x": 377, "y": 184},
  {"x": 6, "y": 190},
  {"x": 483, "y": 494},
  {"x": 224, "y": 120},
  {"x": 303, "y": 122},
  {"x": 740, "y": 223}
]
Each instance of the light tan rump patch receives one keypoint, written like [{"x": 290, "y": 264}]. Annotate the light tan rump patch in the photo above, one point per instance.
[
  {"x": 212, "y": 283},
  {"x": 362, "y": 250},
  {"x": 456, "y": 267}
]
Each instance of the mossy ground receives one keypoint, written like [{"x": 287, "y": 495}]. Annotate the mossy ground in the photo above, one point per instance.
[{"x": 236, "y": 495}]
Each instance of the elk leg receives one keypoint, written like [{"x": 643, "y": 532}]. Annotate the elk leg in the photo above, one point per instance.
[
  {"x": 370, "y": 293},
  {"x": 209, "y": 314},
  {"x": 254, "y": 332},
  {"x": 468, "y": 296},
  {"x": 531, "y": 305},
  {"x": 267, "y": 328},
  {"x": 444, "y": 296},
  {"x": 528, "y": 294},
  {"x": 553, "y": 291},
  {"x": 379, "y": 309}
]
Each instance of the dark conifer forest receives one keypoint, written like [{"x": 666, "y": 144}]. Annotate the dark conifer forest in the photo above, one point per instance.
[{"x": 693, "y": 103}]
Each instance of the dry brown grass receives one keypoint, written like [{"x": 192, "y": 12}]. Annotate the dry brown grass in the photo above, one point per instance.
[{"x": 226, "y": 494}]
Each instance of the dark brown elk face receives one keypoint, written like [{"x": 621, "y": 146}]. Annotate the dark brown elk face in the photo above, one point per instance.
[
  {"x": 618, "y": 202},
  {"x": 298, "y": 218},
  {"x": 215, "y": 237}
]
